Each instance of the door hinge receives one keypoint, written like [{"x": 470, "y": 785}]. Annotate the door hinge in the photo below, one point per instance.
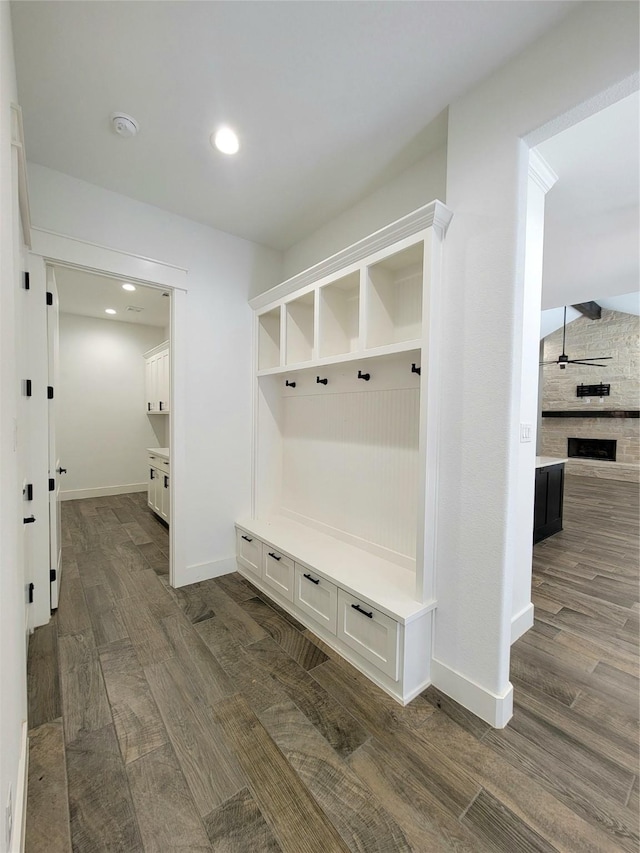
[
  {"x": 27, "y": 285},
  {"x": 29, "y": 519},
  {"x": 30, "y": 593},
  {"x": 27, "y": 387},
  {"x": 52, "y": 484},
  {"x": 49, "y": 298},
  {"x": 49, "y": 392},
  {"x": 28, "y": 492},
  {"x": 52, "y": 575}
]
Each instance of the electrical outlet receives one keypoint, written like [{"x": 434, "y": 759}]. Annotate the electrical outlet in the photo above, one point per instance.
[
  {"x": 526, "y": 433},
  {"x": 8, "y": 819}
]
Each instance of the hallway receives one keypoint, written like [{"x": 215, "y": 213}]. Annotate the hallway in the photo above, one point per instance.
[{"x": 206, "y": 719}]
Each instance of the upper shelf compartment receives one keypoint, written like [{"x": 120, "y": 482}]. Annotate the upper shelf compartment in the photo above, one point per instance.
[
  {"x": 394, "y": 297},
  {"x": 366, "y": 301},
  {"x": 300, "y": 318},
  {"x": 339, "y": 316},
  {"x": 269, "y": 339}
]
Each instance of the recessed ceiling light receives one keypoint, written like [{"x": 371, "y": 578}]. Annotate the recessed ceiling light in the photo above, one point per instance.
[
  {"x": 225, "y": 140},
  {"x": 128, "y": 287},
  {"x": 109, "y": 310}
]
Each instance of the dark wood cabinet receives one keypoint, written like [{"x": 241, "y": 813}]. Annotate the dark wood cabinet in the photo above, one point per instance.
[{"x": 547, "y": 510}]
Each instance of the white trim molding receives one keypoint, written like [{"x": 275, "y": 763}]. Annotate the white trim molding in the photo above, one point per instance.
[
  {"x": 19, "y": 816},
  {"x": 74, "y": 252},
  {"x": 434, "y": 214},
  {"x": 17, "y": 141},
  {"x": 62, "y": 250},
  {"x": 205, "y": 571},
  {"x": 495, "y": 709},
  {"x": 521, "y": 622},
  {"x": 102, "y": 491},
  {"x": 541, "y": 172}
]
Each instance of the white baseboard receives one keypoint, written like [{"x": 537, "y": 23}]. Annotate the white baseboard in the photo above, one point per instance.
[
  {"x": 102, "y": 491},
  {"x": 521, "y": 622},
  {"x": 495, "y": 709},
  {"x": 20, "y": 807},
  {"x": 204, "y": 571}
]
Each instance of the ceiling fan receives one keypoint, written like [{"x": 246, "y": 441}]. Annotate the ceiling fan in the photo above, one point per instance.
[{"x": 563, "y": 360}]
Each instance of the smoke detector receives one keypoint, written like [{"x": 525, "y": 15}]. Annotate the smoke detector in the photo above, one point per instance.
[{"x": 123, "y": 124}]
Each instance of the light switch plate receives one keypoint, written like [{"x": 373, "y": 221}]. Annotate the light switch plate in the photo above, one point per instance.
[{"x": 526, "y": 433}]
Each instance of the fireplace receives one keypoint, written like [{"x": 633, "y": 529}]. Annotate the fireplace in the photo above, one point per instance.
[{"x": 603, "y": 449}]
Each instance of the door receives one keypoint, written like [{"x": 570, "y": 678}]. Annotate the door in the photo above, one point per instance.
[
  {"x": 164, "y": 383},
  {"x": 55, "y": 470},
  {"x": 24, "y": 432}
]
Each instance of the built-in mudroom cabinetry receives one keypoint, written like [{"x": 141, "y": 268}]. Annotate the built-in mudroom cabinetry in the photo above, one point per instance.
[
  {"x": 345, "y": 455},
  {"x": 158, "y": 402},
  {"x": 158, "y": 380},
  {"x": 159, "y": 481}
]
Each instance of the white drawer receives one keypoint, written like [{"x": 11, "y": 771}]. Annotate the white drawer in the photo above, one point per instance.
[
  {"x": 277, "y": 571},
  {"x": 316, "y": 597},
  {"x": 159, "y": 462},
  {"x": 372, "y": 634},
  {"x": 249, "y": 551}
]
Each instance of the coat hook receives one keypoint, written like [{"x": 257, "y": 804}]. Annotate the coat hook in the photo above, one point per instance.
[
  {"x": 321, "y": 381},
  {"x": 365, "y": 376},
  {"x": 290, "y": 384},
  {"x": 415, "y": 369}
]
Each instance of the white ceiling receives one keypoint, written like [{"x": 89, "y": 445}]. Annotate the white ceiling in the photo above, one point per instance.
[
  {"x": 87, "y": 294},
  {"x": 330, "y": 100},
  {"x": 591, "y": 239}
]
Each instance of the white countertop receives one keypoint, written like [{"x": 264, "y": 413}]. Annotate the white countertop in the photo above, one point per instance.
[
  {"x": 545, "y": 461},
  {"x": 163, "y": 452}
]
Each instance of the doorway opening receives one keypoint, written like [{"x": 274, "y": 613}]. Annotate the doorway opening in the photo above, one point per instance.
[{"x": 110, "y": 418}]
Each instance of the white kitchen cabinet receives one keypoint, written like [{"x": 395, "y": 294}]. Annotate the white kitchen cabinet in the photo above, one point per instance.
[
  {"x": 159, "y": 483},
  {"x": 345, "y": 486},
  {"x": 158, "y": 380}
]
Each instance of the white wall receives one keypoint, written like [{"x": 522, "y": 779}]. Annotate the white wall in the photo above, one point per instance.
[
  {"x": 224, "y": 271},
  {"x": 569, "y": 69},
  {"x": 418, "y": 185},
  {"x": 101, "y": 426},
  {"x": 483, "y": 500},
  {"x": 12, "y": 597}
]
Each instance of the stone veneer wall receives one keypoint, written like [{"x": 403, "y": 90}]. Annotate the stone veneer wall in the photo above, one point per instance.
[{"x": 615, "y": 334}]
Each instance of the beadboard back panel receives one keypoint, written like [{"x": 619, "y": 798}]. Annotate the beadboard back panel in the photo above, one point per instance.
[{"x": 350, "y": 461}]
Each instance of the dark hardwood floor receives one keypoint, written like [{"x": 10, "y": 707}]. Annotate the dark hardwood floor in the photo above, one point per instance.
[{"x": 207, "y": 719}]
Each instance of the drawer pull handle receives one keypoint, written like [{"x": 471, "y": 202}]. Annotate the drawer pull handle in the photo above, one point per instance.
[
  {"x": 247, "y": 538},
  {"x": 360, "y": 610},
  {"x": 275, "y": 556},
  {"x": 316, "y": 581}
]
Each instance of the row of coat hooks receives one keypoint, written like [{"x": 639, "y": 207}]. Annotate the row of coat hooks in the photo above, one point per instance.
[{"x": 361, "y": 375}]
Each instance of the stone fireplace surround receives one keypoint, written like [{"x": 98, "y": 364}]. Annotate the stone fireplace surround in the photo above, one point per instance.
[{"x": 617, "y": 335}]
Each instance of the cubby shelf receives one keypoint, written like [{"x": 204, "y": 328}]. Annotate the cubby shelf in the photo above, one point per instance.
[
  {"x": 375, "y": 352},
  {"x": 345, "y": 472}
]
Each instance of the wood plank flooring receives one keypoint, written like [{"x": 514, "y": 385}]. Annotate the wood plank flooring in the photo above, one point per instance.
[{"x": 207, "y": 719}]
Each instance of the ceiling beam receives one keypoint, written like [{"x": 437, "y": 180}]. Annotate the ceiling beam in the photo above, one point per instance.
[{"x": 590, "y": 309}]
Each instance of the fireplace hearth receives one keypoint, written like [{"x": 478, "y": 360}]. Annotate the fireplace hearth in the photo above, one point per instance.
[{"x": 603, "y": 449}]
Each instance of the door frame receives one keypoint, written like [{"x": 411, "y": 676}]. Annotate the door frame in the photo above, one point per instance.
[{"x": 51, "y": 248}]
